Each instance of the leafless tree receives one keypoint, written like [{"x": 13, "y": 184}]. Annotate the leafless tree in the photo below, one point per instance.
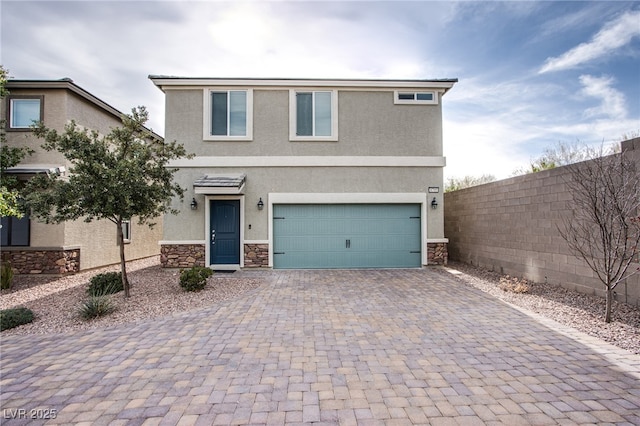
[{"x": 603, "y": 227}]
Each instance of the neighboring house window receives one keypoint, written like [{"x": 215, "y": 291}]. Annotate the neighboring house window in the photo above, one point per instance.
[
  {"x": 228, "y": 115},
  {"x": 14, "y": 231},
  {"x": 126, "y": 231},
  {"x": 428, "y": 97},
  {"x": 24, "y": 111},
  {"x": 314, "y": 115}
]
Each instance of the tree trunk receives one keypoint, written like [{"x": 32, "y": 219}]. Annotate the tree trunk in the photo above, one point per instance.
[
  {"x": 607, "y": 313},
  {"x": 123, "y": 263}
]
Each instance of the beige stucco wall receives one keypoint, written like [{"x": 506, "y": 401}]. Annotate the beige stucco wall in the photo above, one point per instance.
[
  {"x": 55, "y": 116},
  {"x": 99, "y": 245},
  {"x": 60, "y": 106},
  {"x": 46, "y": 235},
  {"x": 511, "y": 226},
  {"x": 97, "y": 240},
  {"x": 260, "y": 182},
  {"x": 369, "y": 124}
]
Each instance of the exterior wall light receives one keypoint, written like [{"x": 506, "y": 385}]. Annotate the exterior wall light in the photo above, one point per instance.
[
  {"x": 434, "y": 203},
  {"x": 194, "y": 204},
  {"x": 260, "y": 204}
]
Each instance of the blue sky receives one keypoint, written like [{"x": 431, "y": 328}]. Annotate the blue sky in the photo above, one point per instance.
[{"x": 531, "y": 74}]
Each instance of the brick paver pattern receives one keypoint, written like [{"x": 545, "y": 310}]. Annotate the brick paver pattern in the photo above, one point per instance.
[{"x": 367, "y": 347}]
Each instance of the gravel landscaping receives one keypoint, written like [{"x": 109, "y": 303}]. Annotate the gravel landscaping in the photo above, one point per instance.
[
  {"x": 155, "y": 292},
  {"x": 580, "y": 311}
]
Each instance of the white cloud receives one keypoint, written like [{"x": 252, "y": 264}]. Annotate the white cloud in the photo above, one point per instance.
[
  {"x": 596, "y": 131},
  {"x": 497, "y": 127},
  {"x": 613, "y": 102},
  {"x": 482, "y": 146},
  {"x": 612, "y": 36},
  {"x": 271, "y": 40},
  {"x": 495, "y": 120},
  {"x": 501, "y": 138}
]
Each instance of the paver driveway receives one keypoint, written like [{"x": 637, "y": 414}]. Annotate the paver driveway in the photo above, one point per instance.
[{"x": 332, "y": 347}]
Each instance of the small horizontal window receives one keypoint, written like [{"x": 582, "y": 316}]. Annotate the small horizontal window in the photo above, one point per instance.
[{"x": 415, "y": 97}]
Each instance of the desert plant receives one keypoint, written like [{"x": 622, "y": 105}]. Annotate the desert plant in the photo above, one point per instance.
[
  {"x": 195, "y": 278},
  {"x": 96, "y": 306},
  {"x": 602, "y": 226},
  {"x": 10, "y": 318},
  {"x": 514, "y": 284},
  {"x": 6, "y": 276},
  {"x": 105, "y": 283}
]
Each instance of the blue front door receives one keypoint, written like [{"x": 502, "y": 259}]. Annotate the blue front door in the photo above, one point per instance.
[{"x": 224, "y": 241}]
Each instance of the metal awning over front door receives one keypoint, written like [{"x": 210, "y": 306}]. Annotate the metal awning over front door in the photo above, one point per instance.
[{"x": 220, "y": 184}]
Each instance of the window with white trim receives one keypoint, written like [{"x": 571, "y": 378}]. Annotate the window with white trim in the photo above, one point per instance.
[
  {"x": 228, "y": 115},
  {"x": 24, "y": 111},
  {"x": 313, "y": 115},
  {"x": 426, "y": 97}
]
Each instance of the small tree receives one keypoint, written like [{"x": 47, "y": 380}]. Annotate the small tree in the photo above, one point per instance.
[
  {"x": 561, "y": 154},
  {"x": 9, "y": 157},
  {"x": 9, "y": 185},
  {"x": 454, "y": 184},
  {"x": 114, "y": 177},
  {"x": 603, "y": 227}
]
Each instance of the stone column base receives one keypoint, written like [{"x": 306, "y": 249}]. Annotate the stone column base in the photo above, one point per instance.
[
  {"x": 256, "y": 255},
  {"x": 182, "y": 255},
  {"x": 437, "y": 254},
  {"x": 55, "y": 261}
]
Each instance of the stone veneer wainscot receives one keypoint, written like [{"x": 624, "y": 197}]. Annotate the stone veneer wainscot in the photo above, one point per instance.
[
  {"x": 56, "y": 261},
  {"x": 188, "y": 255},
  {"x": 182, "y": 255},
  {"x": 437, "y": 254},
  {"x": 256, "y": 255}
]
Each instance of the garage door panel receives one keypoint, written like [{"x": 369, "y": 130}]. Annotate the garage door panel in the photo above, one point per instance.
[{"x": 347, "y": 236}]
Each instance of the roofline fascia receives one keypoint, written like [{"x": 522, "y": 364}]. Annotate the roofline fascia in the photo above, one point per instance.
[
  {"x": 68, "y": 84},
  {"x": 167, "y": 81}
]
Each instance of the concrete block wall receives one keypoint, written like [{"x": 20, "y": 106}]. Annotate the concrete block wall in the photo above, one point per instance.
[{"x": 511, "y": 226}]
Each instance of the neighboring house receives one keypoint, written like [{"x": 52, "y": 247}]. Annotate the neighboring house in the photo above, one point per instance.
[
  {"x": 35, "y": 247},
  {"x": 301, "y": 173}
]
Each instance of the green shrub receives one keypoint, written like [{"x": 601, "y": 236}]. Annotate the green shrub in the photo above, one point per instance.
[
  {"x": 106, "y": 283},
  {"x": 6, "y": 276},
  {"x": 194, "y": 279},
  {"x": 96, "y": 306},
  {"x": 10, "y": 318}
]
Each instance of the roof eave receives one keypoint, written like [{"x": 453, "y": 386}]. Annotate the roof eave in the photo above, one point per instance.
[
  {"x": 68, "y": 84},
  {"x": 172, "y": 81}
]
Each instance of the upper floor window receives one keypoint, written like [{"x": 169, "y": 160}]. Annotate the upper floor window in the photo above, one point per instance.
[
  {"x": 428, "y": 97},
  {"x": 314, "y": 115},
  {"x": 24, "y": 111},
  {"x": 228, "y": 115}
]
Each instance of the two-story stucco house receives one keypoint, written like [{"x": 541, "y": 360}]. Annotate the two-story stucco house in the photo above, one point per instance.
[
  {"x": 306, "y": 173},
  {"x": 35, "y": 247}
]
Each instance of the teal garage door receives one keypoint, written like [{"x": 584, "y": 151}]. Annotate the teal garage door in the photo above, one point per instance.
[{"x": 309, "y": 236}]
